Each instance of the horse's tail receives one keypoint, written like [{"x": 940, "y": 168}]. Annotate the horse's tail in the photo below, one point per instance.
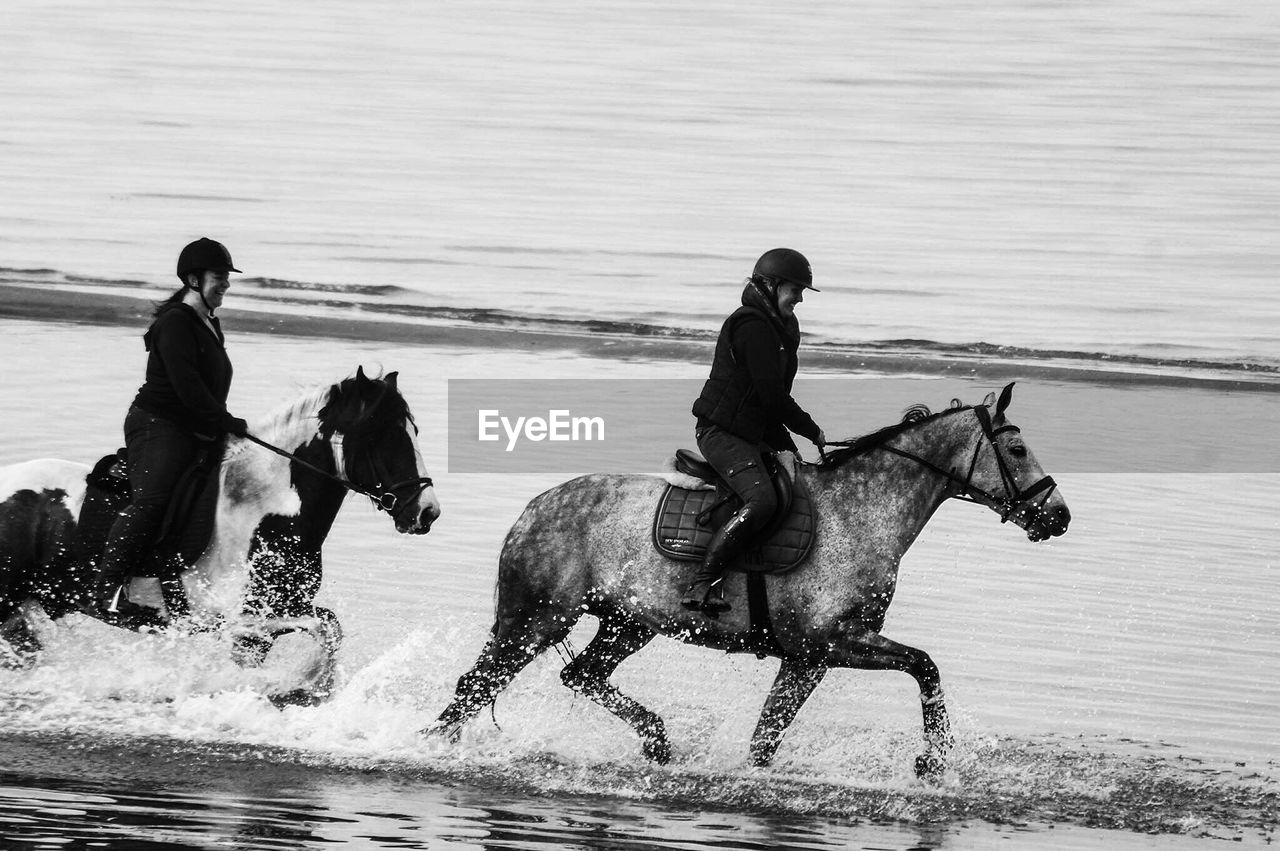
[
  {"x": 541, "y": 573},
  {"x": 497, "y": 588},
  {"x": 515, "y": 588}
]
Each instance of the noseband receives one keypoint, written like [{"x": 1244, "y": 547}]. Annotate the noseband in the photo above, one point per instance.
[
  {"x": 1014, "y": 498},
  {"x": 387, "y": 500}
]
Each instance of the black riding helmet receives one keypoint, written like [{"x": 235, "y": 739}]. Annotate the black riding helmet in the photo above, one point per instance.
[
  {"x": 785, "y": 264},
  {"x": 204, "y": 254}
]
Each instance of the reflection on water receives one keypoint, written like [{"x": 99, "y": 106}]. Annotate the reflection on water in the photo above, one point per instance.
[
  {"x": 73, "y": 791},
  {"x": 80, "y": 794}
]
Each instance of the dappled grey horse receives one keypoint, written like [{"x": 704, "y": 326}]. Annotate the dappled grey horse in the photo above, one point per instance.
[{"x": 585, "y": 547}]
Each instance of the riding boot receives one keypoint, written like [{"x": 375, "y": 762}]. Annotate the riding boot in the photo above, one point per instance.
[
  {"x": 112, "y": 605},
  {"x": 108, "y": 592},
  {"x": 707, "y": 591},
  {"x": 109, "y": 587},
  {"x": 125, "y": 549}
]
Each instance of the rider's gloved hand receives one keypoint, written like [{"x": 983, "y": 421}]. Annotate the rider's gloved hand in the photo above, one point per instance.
[
  {"x": 822, "y": 439},
  {"x": 237, "y": 426}
]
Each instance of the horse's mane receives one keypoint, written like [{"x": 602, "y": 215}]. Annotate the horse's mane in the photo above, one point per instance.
[
  {"x": 913, "y": 417},
  {"x": 286, "y": 426},
  {"x": 295, "y": 421},
  {"x": 296, "y": 416},
  {"x": 350, "y": 411}
]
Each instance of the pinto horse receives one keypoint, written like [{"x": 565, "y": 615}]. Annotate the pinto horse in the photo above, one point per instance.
[
  {"x": 585, "y": 547},
  {"x": 262, "y": 568}
]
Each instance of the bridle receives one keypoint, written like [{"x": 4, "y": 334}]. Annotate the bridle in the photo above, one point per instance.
[
  {"x": 1015, "y": 499},
  {"x": 382, "y": 496},
  {"x": 386, "y": 499}
]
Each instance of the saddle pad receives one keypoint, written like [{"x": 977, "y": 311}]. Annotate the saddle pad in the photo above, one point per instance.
[
  {"x": 679, "y": 534},
  {"x": 106, "y": 495},
  {"x": 188, "y": 522}
]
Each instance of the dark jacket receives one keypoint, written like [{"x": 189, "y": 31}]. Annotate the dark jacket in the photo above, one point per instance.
[
  {"x": 749, "y": 390},
  {"x": 188, "y": 372}
]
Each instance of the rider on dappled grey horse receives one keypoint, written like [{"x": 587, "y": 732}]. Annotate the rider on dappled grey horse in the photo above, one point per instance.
[
  {"x": 746, "y": 409},
  {"x": 180, "y": 408}
]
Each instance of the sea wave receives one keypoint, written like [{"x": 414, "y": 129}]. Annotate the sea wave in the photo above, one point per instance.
[
  {"x": 396, "y": 304},
  {"x": 1005, "y": 352}
]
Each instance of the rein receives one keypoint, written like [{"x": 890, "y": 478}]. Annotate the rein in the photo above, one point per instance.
[
  {"x": 384, "y": 501},
  {"x": 1014, "y": 496}
]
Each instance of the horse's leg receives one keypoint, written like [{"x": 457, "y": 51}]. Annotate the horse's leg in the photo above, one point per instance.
[
  {"x": 16, "y": 632},
  {"x": 588, "y": 674},
  {"x": 796, "y": 680},
  {"x": 517, "y": 639},
  {"x": 870, "y": 650}
]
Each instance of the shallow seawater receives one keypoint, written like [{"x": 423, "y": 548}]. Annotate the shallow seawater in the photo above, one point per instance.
[
  {"x": 1109, "y": 689},
  {"x": 155, "y": 792}
]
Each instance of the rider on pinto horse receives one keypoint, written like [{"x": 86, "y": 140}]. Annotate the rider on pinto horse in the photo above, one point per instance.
[
  {"x": 178, "y": 410},
  {"x": 745, "y": 409}
]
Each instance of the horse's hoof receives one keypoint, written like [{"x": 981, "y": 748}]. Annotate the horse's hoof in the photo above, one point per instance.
[
  {"x": 929, "y": 767},
  {"x": 250, "y": 651},
  {"x": 297, "y": 697},
  {"x": 657, "y": 750},
  {"x": 16, "y": 658},
  {"x": 439, "y": 729}
]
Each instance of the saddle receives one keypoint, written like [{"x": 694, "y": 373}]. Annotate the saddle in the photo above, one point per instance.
[
  {"x": 686, "y": 520},
  {"x": 188, "y": 522}
]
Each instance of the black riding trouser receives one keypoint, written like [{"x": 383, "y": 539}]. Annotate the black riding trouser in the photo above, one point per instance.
[
  {"x": 160, "y": 451},
  {"x": 741, "y": 464}
]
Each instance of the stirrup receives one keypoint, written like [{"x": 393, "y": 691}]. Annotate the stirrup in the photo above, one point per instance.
[
  {"x": 706, "y": 597},
  {"x": 133, "y": 616},
  {"x": 108, "y": 597},
  {"x": 117, "y": 609}
]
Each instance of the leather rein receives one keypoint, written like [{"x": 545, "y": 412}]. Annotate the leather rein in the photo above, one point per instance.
[
  {"x": 1014, "y": 497},
  {"x": 382, "y": 497}
]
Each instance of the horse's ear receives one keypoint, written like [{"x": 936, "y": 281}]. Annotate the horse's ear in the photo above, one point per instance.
[
  {"x": 1005, "y": 396},
  {"x": 989, "y": 399},
  {"x": 361, "y": 378},
  {"x": 391, "y": 380}
]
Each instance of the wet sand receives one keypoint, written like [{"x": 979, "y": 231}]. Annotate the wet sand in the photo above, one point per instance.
[{"x": 1085, "y": 419}]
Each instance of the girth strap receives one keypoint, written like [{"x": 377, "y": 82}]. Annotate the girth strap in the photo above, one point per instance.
[{"x": 760, "y": 638}]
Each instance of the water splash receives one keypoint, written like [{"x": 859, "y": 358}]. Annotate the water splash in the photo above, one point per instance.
[{"x": 181, "y": 692}]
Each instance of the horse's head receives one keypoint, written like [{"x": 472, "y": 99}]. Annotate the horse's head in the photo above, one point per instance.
[
  {"x": 1005, "y": 475},
  {"x": 374, "y": 435}
]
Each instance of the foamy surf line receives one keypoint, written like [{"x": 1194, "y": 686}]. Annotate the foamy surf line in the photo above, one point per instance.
[
  {"x": 1002, "y": 782},
  {"x": 357, "y": 312}
]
